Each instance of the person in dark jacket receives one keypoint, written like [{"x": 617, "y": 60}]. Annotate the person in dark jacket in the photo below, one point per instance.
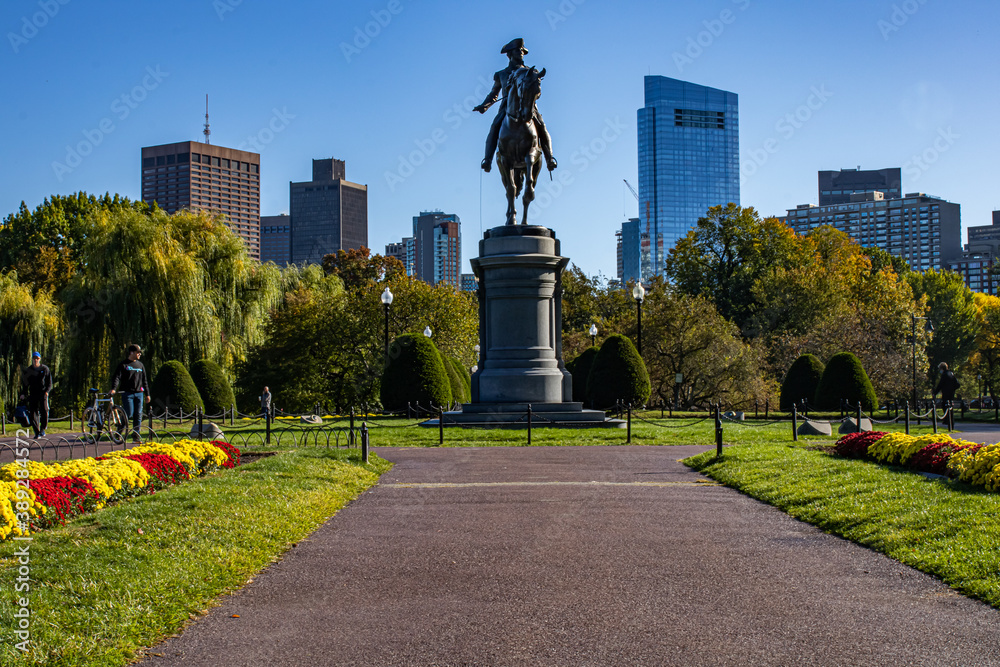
[
  {"x": 130, "y": 375},
  {"x": 37, "y": 381},
  {"x": 947, "y": 384}
]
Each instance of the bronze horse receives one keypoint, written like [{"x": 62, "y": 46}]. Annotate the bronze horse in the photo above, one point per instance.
[{"x": 518, "y": 155}]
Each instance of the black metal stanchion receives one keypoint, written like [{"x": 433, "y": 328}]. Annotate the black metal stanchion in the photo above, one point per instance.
[
  {"x": 407, "y": 409},
  {"x": 795, "y": 424},
  {"x": 232, "y": 414},
  {"x": 934, "y": 417},
  {"x": 951, "y": 418},
  {"x": 718, "y": 432},
  {"x": 198, "y": 415},
  {"x": 767, "y": 407},
  {"x": 165, "y": 413},
  {"x": 755, "y": 408},
  {"x": 150, "y": 421},
  {"x": 350, "y": 437},
  {"x": 529, "y": 424},
  {"x": 859, "y": 415},
  {"x": 907, "y": 416},
  {"x": 267, "y": 427},
  {"x": 440, "y": 426},
  {"x": 3, "y": 425},
  {"x": 628, "y": 425},
  {"x": 364, "y": 442}
]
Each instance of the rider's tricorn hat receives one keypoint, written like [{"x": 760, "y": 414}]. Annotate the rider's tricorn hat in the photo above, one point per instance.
[{"x": 512, "y": 45}]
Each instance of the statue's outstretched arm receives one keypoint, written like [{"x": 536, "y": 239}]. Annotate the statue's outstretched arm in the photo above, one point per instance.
[{"x": 493, "y": 96}]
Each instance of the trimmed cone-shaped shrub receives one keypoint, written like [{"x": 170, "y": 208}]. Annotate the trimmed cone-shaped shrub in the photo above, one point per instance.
[
  {"x": 844, "y": 378},
  {"x": 618, "y": 373},
  {"x": 801, "y": 381},
  {"x": 415, "y": 372},
  {"x": 458, "y": 390},
  {"x": 173, "y": 388},
  {"x": 213, "y": 387},
  {"x": 579, "y": 368}
]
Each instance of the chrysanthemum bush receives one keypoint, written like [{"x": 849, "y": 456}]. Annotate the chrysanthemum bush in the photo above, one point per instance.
[
  {"x": 968, "y": 462},
  {"x": 35, "y": 496}
]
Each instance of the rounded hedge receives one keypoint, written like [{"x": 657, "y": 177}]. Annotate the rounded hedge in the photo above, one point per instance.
[
  {"x": 618, "y": 373},
  {"x": 844, "y": 378},
  {"x": 801, "y": 381},
  {"x": 213, "y": 387},
  {"x": 452, "y": 367},
  {"x": 579, "y": 368},
  {"x": 173, "y": 388},
  {"x": 414, "y": 372}
]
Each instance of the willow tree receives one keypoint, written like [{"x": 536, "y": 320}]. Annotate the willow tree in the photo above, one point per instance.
[
  {"x": 181, "y": 286},
  {"x": 27, "y": 323}
]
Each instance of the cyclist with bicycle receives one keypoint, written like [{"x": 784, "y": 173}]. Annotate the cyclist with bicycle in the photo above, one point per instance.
[{"x": 130, "y": 374}]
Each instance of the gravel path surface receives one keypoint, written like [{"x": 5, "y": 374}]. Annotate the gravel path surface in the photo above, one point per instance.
[{"x": 579, "y": 556}]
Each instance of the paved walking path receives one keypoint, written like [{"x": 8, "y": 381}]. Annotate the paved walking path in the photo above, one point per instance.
[{"x": 579, "y": 556}]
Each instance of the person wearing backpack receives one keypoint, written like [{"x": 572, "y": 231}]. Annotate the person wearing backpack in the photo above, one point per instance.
[{"x": 947, "y": 385}]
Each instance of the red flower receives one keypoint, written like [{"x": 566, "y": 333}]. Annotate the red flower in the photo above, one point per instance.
[
  {"x": 233, "y": 452},
  {"x": 65, "y": 497},
  {"x": 855, "y": 445},
  {"x": 165, "y": 469}
]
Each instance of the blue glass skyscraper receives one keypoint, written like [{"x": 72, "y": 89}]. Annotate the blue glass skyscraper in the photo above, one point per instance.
[{"x": 689, "y": 144}]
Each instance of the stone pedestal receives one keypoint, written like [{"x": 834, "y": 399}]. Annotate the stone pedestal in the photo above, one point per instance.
[{"x": 519, "y": 269}]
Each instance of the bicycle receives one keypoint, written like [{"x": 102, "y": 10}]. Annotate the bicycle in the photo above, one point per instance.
[{"x": 109, "y": 416}]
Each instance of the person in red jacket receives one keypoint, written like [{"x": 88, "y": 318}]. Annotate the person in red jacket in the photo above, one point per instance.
[{"x": 130, "y": 375}]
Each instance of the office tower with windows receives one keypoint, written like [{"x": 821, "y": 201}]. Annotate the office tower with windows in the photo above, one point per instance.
[
  {"x": 688, "y": 158},
  {"x": 275, "y": 235},
  {"x": 836, "y": 187},
  {"x": 202, "y": 177},
  {"x": 329, "y": 213},
  {"x": 924, "y": 230},
  {"x": 437, "y": 243}
]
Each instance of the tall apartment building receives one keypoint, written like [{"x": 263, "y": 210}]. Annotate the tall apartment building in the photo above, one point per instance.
[
  {"x": 688, "y": 158},
  {"x": 203, "y": 177},
  {"x": 403, "y": 251},
  {"x": 836, "y": 187},
  {"x": 275, "y": 235},
  {"x": 924, "y": 230},
  {"x": 437, "y": 245},
  {"x": 329, "y": 213}
]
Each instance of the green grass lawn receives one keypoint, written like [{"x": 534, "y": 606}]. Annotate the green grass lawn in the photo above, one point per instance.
[
  {"x": 945, "y": 529},
  {"x": 111, "y": 582}
]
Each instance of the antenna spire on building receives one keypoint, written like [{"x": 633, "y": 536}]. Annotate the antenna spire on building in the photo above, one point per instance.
[{"x": 207, "y": 132}]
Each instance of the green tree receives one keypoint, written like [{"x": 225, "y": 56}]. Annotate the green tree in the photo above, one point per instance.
[
  {"x": 212, "y": 386},
  {"x": 173, "y": 389},
  {"x": 579, "y": 368},
  {"x": 618, "y": 373},
  {"x": 985, "y": 360},
  {"x": 44, "y": 245},
  {"x": 458, "y": 389},
  {"x": 951, "y": 308},
  {"x": 801, "y": 381},
  {"x": 414, "y": 373},
  {"x": 844, "y": 378},
  {"x": 183, "y": 286},
  {"x": 359, "y": 270},
  {"x": 725, "y": 254},
  {"x": 28, "y": 322}
]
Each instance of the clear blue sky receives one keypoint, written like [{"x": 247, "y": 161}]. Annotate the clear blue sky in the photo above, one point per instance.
[{"x": 899, "y": 80}]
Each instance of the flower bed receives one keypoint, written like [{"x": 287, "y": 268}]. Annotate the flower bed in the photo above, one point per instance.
[
  {"x": 35, "y": 496},
  {"x": 968, "y": 462}
]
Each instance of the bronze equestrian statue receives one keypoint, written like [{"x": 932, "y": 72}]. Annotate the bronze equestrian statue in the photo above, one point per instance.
[{"x": 518, "y": 129}]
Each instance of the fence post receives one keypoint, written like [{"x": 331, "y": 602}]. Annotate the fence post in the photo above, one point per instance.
[
  {"x": 364, "y": 442},
  {"x": 232, "y": 413},
  {"x": 795, "y": 424},
  {"x": 628, "y": 425},
  {"x": 350, "y": 436},
  {"x": 150, "y": 420},
  {"x": 718, "y": 431},
  {"x": 906, "y": 413},
  {"x": 767, "y": 406},
  {"x": 267, "y": 427},
  {"x": 197, "y": 412},
  {"x": 440, "y": 425},
  {"x": 951, "y": 417},
  {"x": 529, "y": 424},
  {"x": 755, "y": 408},
  {"x": 934, "y": 417},
  {"x": 671, "y": 414},
  {"x": 859, "y": 415},
  {"x": 3, "y": 424}
]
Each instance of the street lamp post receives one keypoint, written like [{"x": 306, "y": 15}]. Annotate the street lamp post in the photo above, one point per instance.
[
  {"x": 913, "y": 343},
  {"x": 593, "y": 335},
  {"x": 386, "y": 302},
  {"x": 979, "y": 384},
  {"x": 638, "y": 293}
]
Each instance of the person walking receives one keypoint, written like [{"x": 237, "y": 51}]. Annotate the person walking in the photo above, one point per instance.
[
  {"x": 130, "y": 375},
  {"x": 37, "y": 381},
  {"x": 265, "y": 403},
  {"x": 947, "y": 384}
]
